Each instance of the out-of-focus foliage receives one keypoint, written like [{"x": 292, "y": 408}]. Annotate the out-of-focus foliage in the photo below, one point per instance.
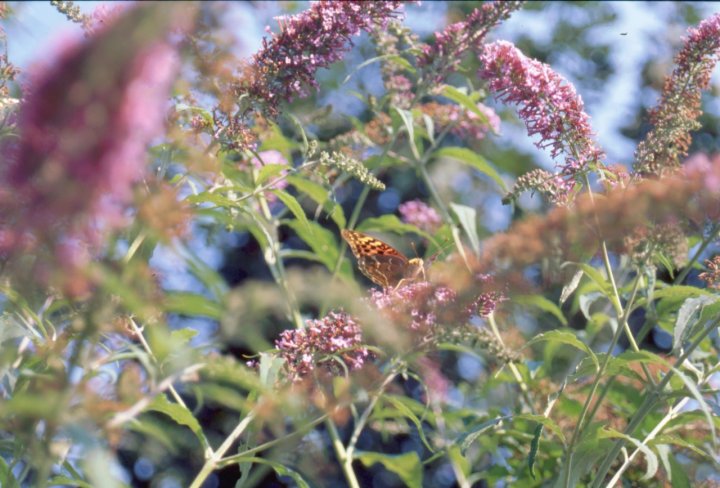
[{"x": 179, "y": 306}]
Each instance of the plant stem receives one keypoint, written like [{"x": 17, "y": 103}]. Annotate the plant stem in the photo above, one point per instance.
[
  {"x": 586, "y": 418},
  {"x": 342, "y": 455},
  {"x": 648, "y": 404},
  {"x": 207, "y": 449},
  {"x": 212, "y": 462}
]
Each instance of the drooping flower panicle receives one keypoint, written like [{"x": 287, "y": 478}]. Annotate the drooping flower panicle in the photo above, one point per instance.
[
  {"x": 286, "y": 65},
  {"x": 444, "y": 56},
  {"x": 679, "y": 108},
  {"x": 549, "y": 106}
]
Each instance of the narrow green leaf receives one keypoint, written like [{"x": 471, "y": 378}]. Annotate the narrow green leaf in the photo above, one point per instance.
[
  {"x": 407, "y": 465},
  {"x": 269, "y": 369},
  {"x": 407, "y": 119},
  {"x": 467, "y": 217},
  {"x": 534, "y": 445},
  {"x": 597, "y": 278},
  {"x": 395, "y": 58},
  {"x": 180, "y": 337},
  {"x": 192, "y": 304},
  {"x": 391, "y": 223},
  {"x": 6, "y": 476},
  {"x": 57, "y": 481},
  {"x": 292, "y": 204},
  {"x": 279, "y": 468},
  {"x": 471, "y": 158},
  {"x": 321, "y": 196},
  {"x": 270, "y": 172},
  {"x": 399, "y": 403},
  {"x": 543, "y": 304},
  {"x": 565, "y": 337},
  {"x": 650, "y": 457},
  {"x": 687, "y": 317},
  {"x": 695, "y": 392},
  {"x": 177, "y": 413},
  {"x": 470, "y": 436},
  {"x": 465, "y": 101},
  {"x": 571, "y": 286}
]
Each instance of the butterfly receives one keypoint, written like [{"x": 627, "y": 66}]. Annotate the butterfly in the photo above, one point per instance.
[{"x": 382, "y": 263}]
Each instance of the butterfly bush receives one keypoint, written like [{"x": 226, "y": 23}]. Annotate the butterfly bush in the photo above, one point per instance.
[
  {"x": 323, "y": 342},
  {"x": 285, "y": 67},
  {"x": 444, "y": 56},
  {"x": 419, "y": 214},
  {"x": 463, "y": 123},
  {"x": 550, "y": 108},
  {"x": 83, "y": 136},
  {"x": 676, "y": 115}
]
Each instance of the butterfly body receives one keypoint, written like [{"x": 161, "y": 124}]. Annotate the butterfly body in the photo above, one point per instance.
[{"x": 382, "y": 263}]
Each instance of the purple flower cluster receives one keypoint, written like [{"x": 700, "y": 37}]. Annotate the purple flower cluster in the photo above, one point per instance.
[
  {"x": 420, "y": 306},
  {"x": 285, "y": 67},
  {"x": 84, "y": 127},
  {"x": 335, "y": 337},
  {"x": 419, "y": 214},
  {"x": 445, "y": 55},
  {"x": 549, "y": 104}
]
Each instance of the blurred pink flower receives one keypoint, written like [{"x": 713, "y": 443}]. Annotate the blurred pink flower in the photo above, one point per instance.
[
  {"x": 419, "y": 214},
  {"x": 84, "y": 127},
  {"x": 419, "y": 306},
  {"x": 321, "y": 342}
]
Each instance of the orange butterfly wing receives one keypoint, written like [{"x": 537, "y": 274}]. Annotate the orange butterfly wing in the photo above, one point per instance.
[{"x": 382, "y": 263}]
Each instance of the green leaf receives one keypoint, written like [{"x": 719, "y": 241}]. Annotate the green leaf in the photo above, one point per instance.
[
  {"x": 678, "y": 474},
  {"x": 474, "y": 160},
  {"x": 467, "y": 217},
  {"x": 687, "y": 316},
  {"x": 192, "y": 304},
  {"x": 321, "y": 196},
  {"x": 180, "y": 337},
  {"x": 270, "y": 366},
  {"x": 695, "y": 392},
  {"x": 407, "y": 465},
  {"x": 597, "y": 278},
  {"x": 269, "y": 172},
  {"x": 565, "y": 337},
  {"x": 179, "y": 414},
  {"x": 399, "y": 403},
  {"x": 469, "y": 437},
  {"x": 571, "y": 286},
  {"x": 395, "y": 58},
  {"x": 407, "y": 119},
  {"x": 57, "y": 481},
  {"x": 97, "y": 466},
  {"x": 650, "y": 457},
  {"x": 543, "y": 304},
  {"x": 391, "y": 223},
  {"x": 6, "y": 476},
  {"x": 279, "y": 468},
  {"x": 292, "y": 204},
  {"x": 323, "y": 244},
  {"x": 534, "y": 445},
  {"x": 465, "y": 101}
]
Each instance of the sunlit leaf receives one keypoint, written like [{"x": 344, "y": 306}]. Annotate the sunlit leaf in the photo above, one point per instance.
[{"x": 407, "y": 465}]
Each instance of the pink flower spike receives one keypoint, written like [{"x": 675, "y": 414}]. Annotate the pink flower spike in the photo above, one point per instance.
[{"x": 549, "y": 105}]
